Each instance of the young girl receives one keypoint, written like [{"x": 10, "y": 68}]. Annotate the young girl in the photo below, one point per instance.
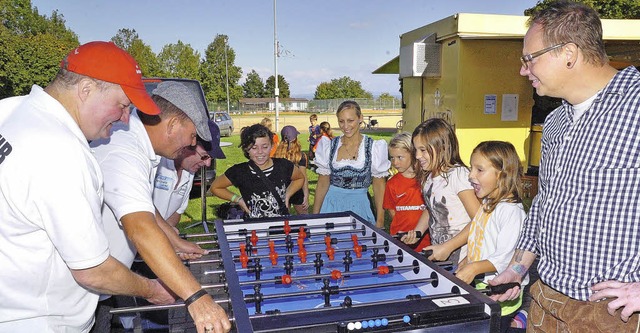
[
  {"x": 257, "y": 197},
  {"x": 445, "y": 187},
  {"x": 402, "y": 195},
  {"x": 266, "y": 122},
  {"x": 348, "y": 165},
  {"x": 291, "y": 149},
  {"x": 496, "y": 176},
  {"x": 325, "y": 132}
]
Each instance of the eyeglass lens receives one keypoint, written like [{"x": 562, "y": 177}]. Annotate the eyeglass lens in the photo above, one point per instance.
[
  {"x": 527, "y": 58},
  {"x": 203, "y": 157}
]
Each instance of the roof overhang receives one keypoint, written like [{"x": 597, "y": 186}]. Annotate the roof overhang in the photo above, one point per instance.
[
  {"x": 622, "y": 37},
  {"x": 391, "y": 67}
]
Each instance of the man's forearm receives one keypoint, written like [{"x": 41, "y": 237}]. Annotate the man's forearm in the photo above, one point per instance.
[
  {"x": 167, "y": 229},
  {"x": 157, "y": 252},
  {"x": 173, "y": 219},
  {"x": 522, "y": 261},
  {"x": 112, "y": 278}
]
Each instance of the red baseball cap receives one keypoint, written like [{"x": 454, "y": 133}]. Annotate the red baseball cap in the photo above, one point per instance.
[{"x": 107, "y": 62}]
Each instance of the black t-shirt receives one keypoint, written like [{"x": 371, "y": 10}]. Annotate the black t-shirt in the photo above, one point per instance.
[{"x": 256, "y": 194}]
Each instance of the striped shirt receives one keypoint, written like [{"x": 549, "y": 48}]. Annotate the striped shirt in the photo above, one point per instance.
[{"x": 584, "y": 223}]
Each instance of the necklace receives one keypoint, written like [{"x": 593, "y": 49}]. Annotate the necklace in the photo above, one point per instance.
[{"x": 351, "y": 154}]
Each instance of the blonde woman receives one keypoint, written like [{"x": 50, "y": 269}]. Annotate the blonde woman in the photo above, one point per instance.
[{"x": 348, "y": 165}]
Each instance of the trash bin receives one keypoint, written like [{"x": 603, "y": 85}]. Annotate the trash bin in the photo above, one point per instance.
[{"x": 535, "y": 145}]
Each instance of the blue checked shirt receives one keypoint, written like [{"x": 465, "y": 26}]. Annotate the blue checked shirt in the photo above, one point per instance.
[{"x": 585, "y": 221}]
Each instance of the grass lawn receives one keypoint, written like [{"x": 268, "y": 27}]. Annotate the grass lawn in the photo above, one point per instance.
[{"x": 234, "y": 155}]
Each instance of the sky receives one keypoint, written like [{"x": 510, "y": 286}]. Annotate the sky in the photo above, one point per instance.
[{"x": 320, "y": 40}]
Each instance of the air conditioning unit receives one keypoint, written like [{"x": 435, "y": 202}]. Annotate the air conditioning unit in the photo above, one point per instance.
[{"x": 421, "y": 58}]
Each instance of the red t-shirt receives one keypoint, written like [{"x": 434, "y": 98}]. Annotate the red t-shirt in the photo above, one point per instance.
[{"x": 404, "y": 195}]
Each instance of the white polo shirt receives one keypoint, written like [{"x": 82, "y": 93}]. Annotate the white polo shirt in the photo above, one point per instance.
[
  {"x": 170, "y": 192},
  {"x": 128, "y": 164},
  {"x": 50, "y": 202}
]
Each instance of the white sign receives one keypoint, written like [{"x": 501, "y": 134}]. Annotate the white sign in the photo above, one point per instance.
[
  {"x": 451, "y": 301},
  {"x": 509, "y": 107},
  {"x": 490, "y": 102}
]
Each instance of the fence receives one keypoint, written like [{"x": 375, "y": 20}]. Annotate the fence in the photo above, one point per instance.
[
  {"x": 331, "y": 105},
  {"x": 315, "y": 105}
]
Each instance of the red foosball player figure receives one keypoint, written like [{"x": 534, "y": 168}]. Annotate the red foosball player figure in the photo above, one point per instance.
[
  {"x": 303, "y": 254},
  {"x": 254, "y": 238},
  {"x": 357, "y": 248},
  {"x": 286, "y": 228},
  {"x": 331, "y": 252},
  {"x": 244, "y": 259},
  {"x": 273, "y": 256},
  {"x": 354, "y": 238},
  {"x": 302, "y": 234}
]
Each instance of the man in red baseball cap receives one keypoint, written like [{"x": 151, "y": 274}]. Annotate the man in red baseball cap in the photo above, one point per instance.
[
  {"x": 55, "y": 256},
  {"x": 107, "y": 62}
]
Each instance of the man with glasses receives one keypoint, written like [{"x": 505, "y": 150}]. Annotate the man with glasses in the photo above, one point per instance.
[
  {"x": 584, "y": 224},
  {"x": 129, "y": 161},
  {"x": 174, "y": 178}
]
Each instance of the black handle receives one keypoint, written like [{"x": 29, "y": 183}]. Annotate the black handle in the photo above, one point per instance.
[
  {"x": 427, "y": 253},
  {"x": 401, "y": 234},
  {"x": 501, "y": 288}
]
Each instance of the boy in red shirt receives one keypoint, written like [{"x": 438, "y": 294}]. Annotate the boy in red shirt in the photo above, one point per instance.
[{"x": 403, "y": 196}]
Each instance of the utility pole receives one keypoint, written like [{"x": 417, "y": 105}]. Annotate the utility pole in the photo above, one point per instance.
[{"x": 276, "y": 52}]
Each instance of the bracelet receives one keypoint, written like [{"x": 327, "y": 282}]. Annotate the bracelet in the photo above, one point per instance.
[
  {"x": 234, "y": 198},
  {"x": 195, "y": 297}
]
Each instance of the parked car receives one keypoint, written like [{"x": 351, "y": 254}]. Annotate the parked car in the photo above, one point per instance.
[
  {"x": 210, "y": 174},
  {"x": 224, "y": 122}
]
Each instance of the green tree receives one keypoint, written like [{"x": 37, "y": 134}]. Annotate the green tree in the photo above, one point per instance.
[
  {"x": 385, "y": 101},
  {"x": 179, "y": 60},
  {"x": 31, "y": 46},
  {"x": 253, "y": 87},
  {"x": 608, "y": 9},
  {"x": 124, "y": 38},
  {"x": 270, "y": 87},
  {"x": 128, "y": 40},
  {"x": 341, "y": 88},
  {"x": 386, "y": 96},
  {"x": 213, "y": 72}
]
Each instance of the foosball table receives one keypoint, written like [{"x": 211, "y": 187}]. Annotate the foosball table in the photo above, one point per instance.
[{"x": 330, "y": 273}]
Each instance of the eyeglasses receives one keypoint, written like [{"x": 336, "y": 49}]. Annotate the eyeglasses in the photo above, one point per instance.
[
  {"x": 527, "y": 58},
  {"x": 203, "y": 157}
]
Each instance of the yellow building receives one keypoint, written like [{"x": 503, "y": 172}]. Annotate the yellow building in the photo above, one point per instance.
[{"x": 465, "y": 68}]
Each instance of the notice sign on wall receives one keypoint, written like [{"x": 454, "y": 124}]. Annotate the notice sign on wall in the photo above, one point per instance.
[
  {"x": 509, "y": 107},
  {"x": 490, "y": 102}
]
